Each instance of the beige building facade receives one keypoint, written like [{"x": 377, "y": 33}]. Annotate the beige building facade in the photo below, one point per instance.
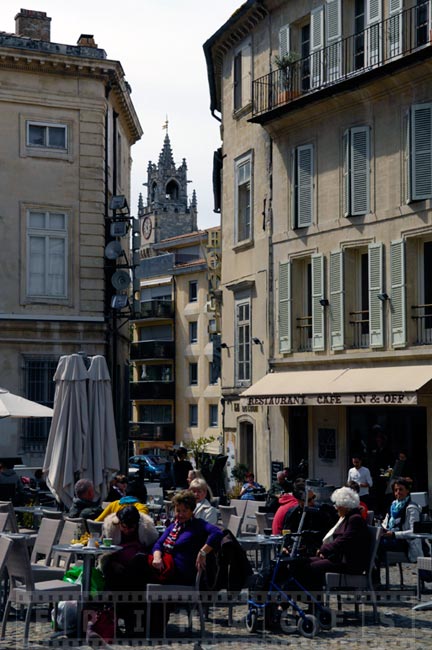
[
  {"x": 326, "y": 231},
  {"x": 67, "y": 128}
]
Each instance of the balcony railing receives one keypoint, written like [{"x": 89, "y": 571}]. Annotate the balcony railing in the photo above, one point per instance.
[
  {"x": 152, "y": 390},
  {"x": 304, "y": 325},
  {"x": 423, "y": 319},
  {"x": 360, "y": 323},
  {"x": 151, "y": 431},
  {"x": 379, "y": 44},
  {"x": 152, "y": 350},
  {"x": 156, "y": 309}
]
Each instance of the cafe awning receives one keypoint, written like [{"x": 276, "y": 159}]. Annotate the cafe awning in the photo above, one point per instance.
[{"x": 391, "y": 385}]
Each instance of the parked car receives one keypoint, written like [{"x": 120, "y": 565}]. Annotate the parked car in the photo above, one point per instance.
[{"x": 153, "y": 466}]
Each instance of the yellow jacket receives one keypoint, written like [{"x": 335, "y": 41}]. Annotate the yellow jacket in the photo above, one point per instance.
[{"x": 115, "y": 506}]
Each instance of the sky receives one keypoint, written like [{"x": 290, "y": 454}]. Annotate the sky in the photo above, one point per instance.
[{"x": 159, "y": 44}]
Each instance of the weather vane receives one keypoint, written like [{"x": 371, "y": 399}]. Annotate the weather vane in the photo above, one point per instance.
[{"x": 165, "y": 125}]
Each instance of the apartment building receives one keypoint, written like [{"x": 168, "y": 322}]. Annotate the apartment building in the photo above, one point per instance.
[
  {"x": 175, "y": 351},
  {"x": 326, "y": 113},
  {"x": 67, "y": 126}
]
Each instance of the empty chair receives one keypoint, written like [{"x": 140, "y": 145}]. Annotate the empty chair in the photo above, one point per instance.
[
  {"x": 240, "y": 505},
  {"x": 262, "y": 522},
  {"x": 12, "y": 525},
  {"x": 52, "y": 514},
  {"x": 70, "y": 531},
  {"x": 48, "y": 535},
  {"x": 234, "y": 524},
  {"x": 249, "y": 522},
  {"x": 226, "y": 512},
  {"x": 94, "y": 527},
  {"x": 3, "y": 521},
  {"x": 24, "y": 590}
]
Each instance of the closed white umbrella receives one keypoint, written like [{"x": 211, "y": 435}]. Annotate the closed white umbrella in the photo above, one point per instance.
[
  {"x": 14, "y": 406},
  {"x": 67, "y": 437},
  {"x": 101, "y": 457}
]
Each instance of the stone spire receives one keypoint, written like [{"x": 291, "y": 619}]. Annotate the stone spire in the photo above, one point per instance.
[
  {"x": 166, "y": 159},
  {"x": 140, "y": 205}
]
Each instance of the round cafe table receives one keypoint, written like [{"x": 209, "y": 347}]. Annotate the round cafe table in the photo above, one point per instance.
[{"x": 89, "y": 555}]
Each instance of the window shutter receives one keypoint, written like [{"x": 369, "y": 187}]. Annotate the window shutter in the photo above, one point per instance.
[
  {"x": 395, "y": 28},
  {"x": 337, "y": 300},
  {"x": 317, "y": 45},
  {"x": 398, "y": 293},
  {"x": 334, "y": 35},
  {"x": 247, "y": 74},
  {"x": 373, "y": 32},
  {"x": 318, "y": 311},
  {"x": 285, "y": 307},
  {"x": 304, "y": 185},
  {"x": 421, "y": 151},
  {"x": 346, "y": 202},
  {"x": 284, "y": 40},
  {"x": 237, "y": 81},
  {"x": 376, "y": 306},
  {"x": 360, "y": 155}
]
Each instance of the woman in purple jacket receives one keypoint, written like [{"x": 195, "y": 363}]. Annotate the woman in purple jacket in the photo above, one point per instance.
[{"x": 183, "y": 548}]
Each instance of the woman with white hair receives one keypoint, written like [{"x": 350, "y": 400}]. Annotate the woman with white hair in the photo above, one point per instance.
[{"x": 345, "y": 548}]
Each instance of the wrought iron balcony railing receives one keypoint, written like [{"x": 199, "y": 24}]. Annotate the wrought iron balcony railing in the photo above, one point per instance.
[
  {"x": 156, "y": 309},
  {"x": 423, "y": 319},
  {"x": 152, "y": 390},
  {"x": 151, "y": 431},
  {"x": 304, "y": 325},
  {"x": 360, "y": 322},
  {"x": 381, "y": 43},
  {"x": 152, "y": 350}
]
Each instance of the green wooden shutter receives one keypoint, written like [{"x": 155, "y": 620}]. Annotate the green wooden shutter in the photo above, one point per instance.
[
  {"x": 398, "y": 294},
  {"x": 359, "y": 176},
  {"x": 304, "y": 185},
  {"x": 337, "y": 306},
  {"x": 346, "y": 200},
  {"x": 376, "y": 306},
  {"x": 395, "y": 28},
  {"x": 421, "y": 151},
  {"x": 317, "y": 45},
  {"x": 318, "y": 311},
  {"x": 285, "y": 307}
]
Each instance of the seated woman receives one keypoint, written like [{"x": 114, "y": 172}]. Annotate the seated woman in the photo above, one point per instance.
[
  {"x": 399, "y": 522},
  {"x": 183, "y": 547},
  {"x": 136, "y": 495},
  {"x": 135, "y": 532},
  {"x": 345, "y": 548},
  {"x": 203, "y": 509},
  {"x": 250, "y": 487}
]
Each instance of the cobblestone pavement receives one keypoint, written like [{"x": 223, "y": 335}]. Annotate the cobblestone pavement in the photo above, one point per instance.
[{"x": 398, "y": 627}]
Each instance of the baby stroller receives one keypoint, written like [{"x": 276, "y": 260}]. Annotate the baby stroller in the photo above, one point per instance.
[{"x": 275, "y": 605}]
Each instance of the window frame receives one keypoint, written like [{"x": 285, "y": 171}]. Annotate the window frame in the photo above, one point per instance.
[
  {"x": 213, "y": 422},
  {"x": 193, "y": 291},
  {"x": 247, "y": 223},
  {"x": 48, "y": 234},
  {"x": 299, "y": 187},
  {"x": 193, "y": 415},
  {"x": 243, "y": 346},
  {"x": 193, "y": 373},
  {"x": 46, "y": 126},
  {"x": 193, "y": 336},
  {"x": 42, "y": 151}
]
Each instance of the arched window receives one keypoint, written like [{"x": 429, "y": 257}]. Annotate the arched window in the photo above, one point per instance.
[
  {"x": 246, "y": 444},
  {"x": 172, "y": 190}
]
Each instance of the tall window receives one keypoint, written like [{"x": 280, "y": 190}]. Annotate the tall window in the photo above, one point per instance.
[
  {"x": 213, "y": 415},
  {"x": 39, "y": 387},
  {"x": 46, "y": 135},
  {"x": 193, "y": 374},
  {"x": 151, "y": 413},
  {"x": 47, "y": 254},
  {"x": 303, "y": 186},
  {"x": 356, "y": 163},
  {"x": 193, "y": 291},
  {"x": 420, "y": 139},
  {"x": 243, "y": 195},
  {"x": 214, "y": 371},
  {"x": 242, "y": 77},
  {"x": 193, "y": 415},
  {"x": 193, "y": 331},
  {"x": 243, "y": 363}
]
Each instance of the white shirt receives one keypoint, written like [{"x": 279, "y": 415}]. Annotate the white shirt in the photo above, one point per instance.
[
  {"x": 361, "y": 475},
  {"x": 204, "y": 510}
]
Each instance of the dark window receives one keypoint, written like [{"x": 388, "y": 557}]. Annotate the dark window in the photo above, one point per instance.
[
  {"x": 238, "y": 81},
  {"x": 193, "y": 291},
  {"x": 305, "y": 50},
  {"x": 422, "y": 24},
  {"x": 152, "y": 413},
  {"x": 193, "y": 373},
  {"x": 193, "y": 415},
  {"x": 193, "y": 331},
  {"x": 39, "y": 387},
  {"x": 359, "y": 42},
  {"x": 213, "y": 415},
  {"x": 42, "y": 135},
  {"x": 214, "y": 372}
]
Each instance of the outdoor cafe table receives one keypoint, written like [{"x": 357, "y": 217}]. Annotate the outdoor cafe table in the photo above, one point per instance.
[
  {"x": 264, "y": 544},
  {"x": 89, "y": 555},
  {"x": 37, "y": 512}
]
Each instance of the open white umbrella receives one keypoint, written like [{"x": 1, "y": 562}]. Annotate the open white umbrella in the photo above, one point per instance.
[
  {"x": 101, "y": 457},
  {"x": 69, "y": 427},
  {"x": 14, "y": 406}
]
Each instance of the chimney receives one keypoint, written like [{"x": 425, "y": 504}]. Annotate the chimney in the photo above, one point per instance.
[
  {"x": 34, "y": 24},
  {"x": 87, "y": 40}
]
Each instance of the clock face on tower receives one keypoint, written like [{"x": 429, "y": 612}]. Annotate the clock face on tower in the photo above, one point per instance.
[{"x": 147, "y": 227}]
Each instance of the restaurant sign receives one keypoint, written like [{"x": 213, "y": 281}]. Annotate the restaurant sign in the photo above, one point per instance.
[{"x": 334, "y": 399}]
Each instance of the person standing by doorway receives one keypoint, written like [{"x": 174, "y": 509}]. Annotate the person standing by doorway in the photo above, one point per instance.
[{"x": 362, "y": 476}]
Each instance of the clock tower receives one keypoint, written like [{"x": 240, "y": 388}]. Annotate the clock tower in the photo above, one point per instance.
[{"x": 168, "y": 212}]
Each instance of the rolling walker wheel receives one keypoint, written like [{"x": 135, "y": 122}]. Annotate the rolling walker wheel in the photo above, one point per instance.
[
  {"x": 308, "y": 626},
  {"x": 251, "y": 620},
  {"x": 325, "y": 618}
]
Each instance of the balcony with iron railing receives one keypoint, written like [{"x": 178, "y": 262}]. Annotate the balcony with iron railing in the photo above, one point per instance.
[
  {"x": 141, "y": 350},
  {"x": 152, "y": 390},
  {"x": 359, "y": 320},
  {"x": 422, "y": 316},
  {"x": 304, "y": 326},
  {"x": 151, "y": 431},
  {"x": 155, "y": 309},
  {"x": 379, "y": 49}
]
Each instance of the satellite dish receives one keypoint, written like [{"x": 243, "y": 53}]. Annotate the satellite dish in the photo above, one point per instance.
[
  {"x": 120, "y": 280},
  {"x": 113, "y": 250}
]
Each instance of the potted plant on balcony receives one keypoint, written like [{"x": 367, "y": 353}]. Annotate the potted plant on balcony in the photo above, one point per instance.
[{"x": 287, "y": 76}]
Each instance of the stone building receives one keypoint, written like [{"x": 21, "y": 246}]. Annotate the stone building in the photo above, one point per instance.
[
  {"x": 175, "y": 353},
  {"x": 327, "y": 228},
  {"x": 67, "y": 126}
]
